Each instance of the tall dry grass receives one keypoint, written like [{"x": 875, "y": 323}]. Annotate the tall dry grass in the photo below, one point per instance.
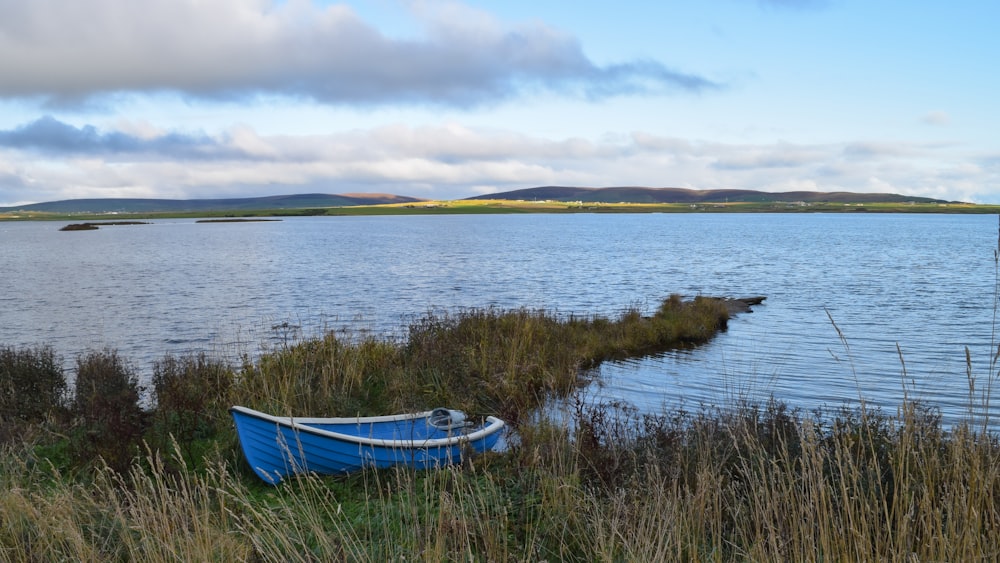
[
  {"x": 599, "y": 483},
  {"x": 746, "y": 485}
]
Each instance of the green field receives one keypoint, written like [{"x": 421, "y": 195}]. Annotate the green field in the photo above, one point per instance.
[{"x": 507, "y": 206}]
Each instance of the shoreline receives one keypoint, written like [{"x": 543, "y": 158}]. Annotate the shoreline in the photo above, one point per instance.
[{"x": 473, "y": 207}]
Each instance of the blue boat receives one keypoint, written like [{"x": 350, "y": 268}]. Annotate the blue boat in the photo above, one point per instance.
[{"x": 277, "y": 447}]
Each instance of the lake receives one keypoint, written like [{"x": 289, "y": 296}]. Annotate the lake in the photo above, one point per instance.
[{"x": 908, "y": 292}]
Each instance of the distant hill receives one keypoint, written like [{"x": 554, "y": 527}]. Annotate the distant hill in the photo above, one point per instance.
[
  {"x": 134, "y": 205},
  {"x": 550, "y": 193},
  {"x": 681, "y": 195}
]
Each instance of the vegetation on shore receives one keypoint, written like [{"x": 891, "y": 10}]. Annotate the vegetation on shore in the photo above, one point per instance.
[
  {"x": 486, "y": 206},
  {"x": 91, "y": 475}
]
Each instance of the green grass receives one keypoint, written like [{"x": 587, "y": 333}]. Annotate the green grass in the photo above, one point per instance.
[
  {"x": 487, "y": 207},
  {"x": 599, "y": 483}
]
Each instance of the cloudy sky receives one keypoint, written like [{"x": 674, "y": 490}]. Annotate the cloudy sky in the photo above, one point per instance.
[{"x": 450, "y": 99}]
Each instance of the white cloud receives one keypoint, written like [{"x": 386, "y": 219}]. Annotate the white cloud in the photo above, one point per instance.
[
  {"x": 778, "y": 156},
  {"x": 68, "y": 52},
  {"x": 50, "y": 160}
]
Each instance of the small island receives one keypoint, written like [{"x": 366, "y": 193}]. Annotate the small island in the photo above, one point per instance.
[{"x": 95, "y": 226}]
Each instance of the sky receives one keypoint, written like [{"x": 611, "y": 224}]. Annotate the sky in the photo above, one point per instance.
[{"x": 442, "y": 99}]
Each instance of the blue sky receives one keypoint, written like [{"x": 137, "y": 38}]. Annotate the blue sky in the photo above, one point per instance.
[{"x": 445, "y": 100}]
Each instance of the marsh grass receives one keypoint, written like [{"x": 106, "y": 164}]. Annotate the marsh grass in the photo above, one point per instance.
[
  {"x": 509, "y": 362},
  {"x": 752, "y": 484},
  {"x": 748, "y": 482},
  {"x": 325, "y": 375}
]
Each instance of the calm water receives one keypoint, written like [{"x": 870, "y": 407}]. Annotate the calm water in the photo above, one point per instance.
[{"x": 924, "y": 284}]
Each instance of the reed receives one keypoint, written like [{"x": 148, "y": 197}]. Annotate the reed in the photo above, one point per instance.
[
  {"x": 323, "y": 375},
  {"x": 601, "y": 482},
  {"x": 745, "y": 485},
  {"x": 509, "y": 362}
]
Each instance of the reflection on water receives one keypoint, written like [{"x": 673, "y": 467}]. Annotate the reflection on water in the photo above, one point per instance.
[{"x": 910, "y": 286}]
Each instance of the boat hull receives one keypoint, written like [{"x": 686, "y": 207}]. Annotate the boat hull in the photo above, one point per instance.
[{"x": 277, "y": 447}]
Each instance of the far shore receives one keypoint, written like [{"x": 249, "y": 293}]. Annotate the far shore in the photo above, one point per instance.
[{"x": 458, "y": 207}]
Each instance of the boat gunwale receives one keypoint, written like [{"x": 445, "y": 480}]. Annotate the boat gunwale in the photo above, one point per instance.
[{"x": 491, "y": 426}]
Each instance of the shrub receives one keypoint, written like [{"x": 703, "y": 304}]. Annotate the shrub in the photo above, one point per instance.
[
  {"x": 191, "y": 395},
  {"x": 31, "y": 384},
  {"x": 109, "y": 420}
]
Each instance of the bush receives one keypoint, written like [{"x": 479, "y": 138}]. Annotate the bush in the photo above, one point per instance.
[
  {"x": 192, "y": 395},
  {"x": 109, "y": 420},
  {"x": 32, "y": 384}
]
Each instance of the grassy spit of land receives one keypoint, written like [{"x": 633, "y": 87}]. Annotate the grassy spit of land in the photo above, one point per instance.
[
  {"x": 456, "y": 207},
  {"x": 91, "y": 475}
]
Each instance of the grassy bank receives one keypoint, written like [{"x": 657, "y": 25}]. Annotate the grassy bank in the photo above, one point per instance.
[
  {"x": 92, "y": 476},
  {"x": 486, "y": 207}
]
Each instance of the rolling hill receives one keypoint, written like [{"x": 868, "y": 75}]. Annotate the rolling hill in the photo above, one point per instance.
[
  {"x": 138, "y": 205},
  {"x": 682, "y": 195},
  {"x": 545, "y": 193}
]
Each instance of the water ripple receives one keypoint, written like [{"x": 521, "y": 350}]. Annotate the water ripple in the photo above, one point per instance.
[{"x": 924, "y": 283}]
